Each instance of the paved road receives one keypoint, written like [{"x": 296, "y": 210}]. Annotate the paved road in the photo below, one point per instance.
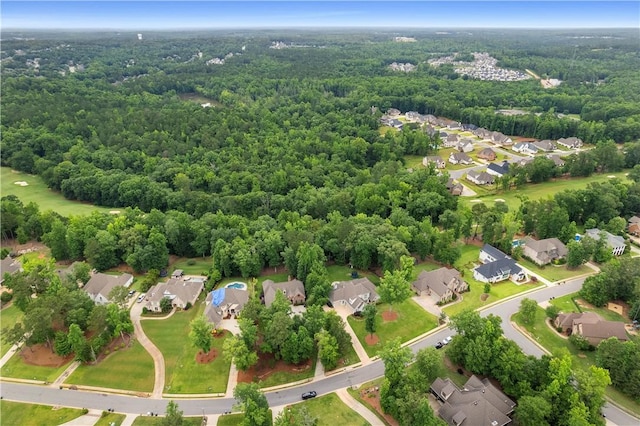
[{"x": 351, "y": 376}]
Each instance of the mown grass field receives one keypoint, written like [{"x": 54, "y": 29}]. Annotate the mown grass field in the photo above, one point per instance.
[
  {"x": 129, "y": 369},
  {"x": 330, "y": 410},
  {"x": 111, "y": 419},
  {"x": 566, "y": 304},
  {"x": 412, "y": 321},
  {"x": 551, "y": 341},
  {"x": 37, "y": 191},
  {"x": 236, "y": 419},
  {"x": 183, "y": 373},
  {"x": 17, "y": 413},
  {"x": 9, "y": 316},
  {"x": 159, "y": 421},
  {"x": 555, "y": 273}
]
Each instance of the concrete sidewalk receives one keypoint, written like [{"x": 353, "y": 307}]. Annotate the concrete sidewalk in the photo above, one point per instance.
[
  {"x": 356, "y": 406},
  {"x": 357, "y": 346},
  {"x": 88, "y": 419}
]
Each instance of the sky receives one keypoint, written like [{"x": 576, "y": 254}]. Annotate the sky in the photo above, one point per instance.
[{"x": 212, "y": 15}]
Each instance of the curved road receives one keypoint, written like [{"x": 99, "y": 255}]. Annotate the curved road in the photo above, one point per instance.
[{"x": 352, "y": 376}]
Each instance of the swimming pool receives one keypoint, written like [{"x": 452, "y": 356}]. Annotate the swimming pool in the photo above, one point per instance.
[{"x": 237, "y": 284}]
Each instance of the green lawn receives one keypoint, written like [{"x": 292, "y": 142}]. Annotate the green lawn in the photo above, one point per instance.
[
  {"x": 424, "y": 266},
  {"x": 158, "y": 421},
  {"x": 236, "y": 419},
  {"x": 550, "y": 340},
  {"x": 330, "y": 410},
  {"x": 284, "y": 377},
  {"x": 8, "y": 317},
  {"x": 109, "y": 419},
  {"x": 536, "y": 191},
  {"x": 566, "y": 304},
  {"x": 17, "y": 368},
  {"x": 343, "y": 273},
  {"x": 412, "y": 321},
  {"x": 193, "y": 266},
  {"x": 555, "y": 273},
  {"x": 183, "y": 374},
  {"x": 356, "y": 394},
  {"x": 38, "y": 192},
  {"x": 129, "y": 369},
  {"x": 469, "y": 257},
  {"x": 18, "y": 413}
]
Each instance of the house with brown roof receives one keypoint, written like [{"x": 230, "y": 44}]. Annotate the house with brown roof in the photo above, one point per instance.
[
  {"x": 544, "y": 251},
  {"x": 9, "y": 266},
  {"x": 455, "y": 188},
  {"x": 100, "y": 285},
  {"x": 181, "y": 291},
  {"x": 478, "y": 403},
  {"x": 634, "y": 229},
  {"x": 487, "y": 154},
  {"x": 292, "y": 289},
  {"x": 591, "y": 326},
  {"x": 354, "y": 294},
  {"x": 224, "y": 303},
  {"x": 440, "y": 284}
]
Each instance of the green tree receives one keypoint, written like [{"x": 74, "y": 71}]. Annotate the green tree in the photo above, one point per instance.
[
  {"x": 528, "y": 309},
  {"x": 532, "y": 411},
  {"x": 173, "y": 415},
  {"x": 236, "y": 350},
  {"x": 200, "y": 334},
  {"x": 576, "y": 254},
  {"x": 394, "y": 288},
  {"x": 369, "y": 313},
  {"x": 427, "y": 364},
  {"x": 295, "y": 415},
  {"x": 100, "y": 251},
  {"x": 165, "y": 305},
  {"x": 253, "y": 403},
  {"x": 328, "y": 349},
  {"x": 119, "y": 295}
]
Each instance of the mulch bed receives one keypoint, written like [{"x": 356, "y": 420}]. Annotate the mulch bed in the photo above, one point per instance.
[
  {"x": 389, "y": 316},
  {"x": 266, "y": 366},
  {"x": 372, "y": 396},
  {"x": 371, "y": 339},
  {"x": 202, "y": 358},
  {"x": 43, "y": 356},
  {"x": 484, "y": 296}
]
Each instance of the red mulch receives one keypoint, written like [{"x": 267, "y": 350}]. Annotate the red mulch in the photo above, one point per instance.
[
  {"x": 202, "y": 358},
  {"x": 371, "y": 339},
  {"x": 266, "y": 366},
  {"x": 484, "y": 296},
  {"x": 372, "y": 396},
  {"x": 43, "y": 356},
  {"x": 389, "y": 316}
]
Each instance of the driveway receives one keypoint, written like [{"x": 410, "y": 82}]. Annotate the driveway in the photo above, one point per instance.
[
  {"x": 158, "y": 359},
  {"x": 344, "y": 313},
  {"x": 428, "y": 304}
]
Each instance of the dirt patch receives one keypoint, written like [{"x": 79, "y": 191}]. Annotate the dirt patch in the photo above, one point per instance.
[
  {"x": 484, "y": 296},
  {"x": 266, "y": 366},
  {"x": 42, "y": 356},
  {"x": 371, "y": 395},
  {"x": 217, "y": 334},
  {"x": 389, "y": 316},
  {"x": 202, "y": 358},
  {"x": 371, "y": 339}
]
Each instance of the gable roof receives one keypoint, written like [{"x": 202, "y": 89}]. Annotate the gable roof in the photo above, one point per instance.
[
  {"x": 480, "y": 176},
  {"x": 10, "y": 266},
  {"x": 501, "y": 169},
  {"x": 437, "y": 280},
  {"x": 487, "y": 152},
  {"x": 612, "y": 240},
  {"x": 185, "y": 290},
  {"x": 292, "y": 288},
  {"x": 493, "y": 252},
  {"x": 350, "y": 291},
  {"x": 460, "y": 156},
  {"x": 634, "y": 219},
  {"x": 546, "y": 246},
  {"x": 499, "y": 267},
  {"x": 220, "y": 301},
  {"x": 102, "y": 284},
  {"x": 603, "y": 330}
]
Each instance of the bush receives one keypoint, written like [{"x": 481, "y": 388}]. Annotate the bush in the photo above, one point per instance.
[
  {"x": 187, "y": 306},
  {"x": 6, "y": 297},
  {"x": 191, "y": 262},
  {"x": 487, "y": 288},
  {"x": 145, "y": 310},
  {"x": 85, "y": 411},
  {"x": 580, "y": 342}
]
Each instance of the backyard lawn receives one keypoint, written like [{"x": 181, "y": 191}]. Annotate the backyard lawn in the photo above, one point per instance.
[
  {"x": 17, "y": 413},
  {"x": 193, "y": 266},
  {"x": 566, "y": 304},
  {"x": 330, "y": 410},
  {"x": 183, "y": 373},
  {"x": 129, "y": 369},
  {"x": 555, "y": 273},
  {"x": 17, "y": 368},
  {"x": 37, "y": 191},
  {"x": 412, "y": 321},
  {"x": 8, "y": 317},
  {"x": 550, "y": 340}
]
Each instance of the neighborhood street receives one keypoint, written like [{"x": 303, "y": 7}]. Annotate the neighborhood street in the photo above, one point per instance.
[{"x": 349, "y": 377}]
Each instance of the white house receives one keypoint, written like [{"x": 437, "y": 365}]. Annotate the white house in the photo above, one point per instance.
[{"x": 617, "y": 243}]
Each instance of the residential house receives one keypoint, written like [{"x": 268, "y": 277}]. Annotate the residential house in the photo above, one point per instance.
[
  {"x": 557, "y": 160},
  {"x": 487, "y": 154},
  {"x": 500, "y": 139},
  {"x": 460, "y": 158},
  {"x": 100, "y": 285},
  {"x": 354, "y": 294},
  {"x": 469, "y": 127},
  {"x": 465, "y": 146},
  {"x": 478, "y": 403},
  {"x": 441, "y": 284},
  {"x": 480, "y": 178},
  {"x": 591, "y": 326},
  {"x": 455, "y": 188},
  {"x": 482, "y": 133},
  {"x": 617, "y": 243},
  {"x": 393, "y": 112},
  {"x": 500, "y": 270},
  {"x": 490, "y": 254},
  {"x": 415, "y": 116},
  {"x": 224, "y": 303},
  {"x": 545, "y": 145},
  {"x": 292, "y": 289},
  {"x": 545, "y": 251},
  {"x": 525, "y": 148},
  {"x": 450, "y": 141},
  {"x": 498, "y": 170},
  {"x": 436, "y": 160},
  {"x": 571, "y": 143},
  {"x": 430, "y": 130},
  {"x": 9, "y": 266},
  {"x": 524, "y": 161},
  {"x": 634, "y": 219},
  {"x": 431, "y": 119},
  {"x": 454, "y": 125},
  {"x": 633, "y": 229},
  {"x": 181, "y": 291}
]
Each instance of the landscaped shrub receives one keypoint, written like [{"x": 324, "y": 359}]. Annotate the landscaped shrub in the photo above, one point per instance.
[
  {"x": 191, "y": 262},
  {"x": 187, "y": 306},
  {"x": 580, "y": 342},
  {"x": 487, "y": 288},
  {"x": 145, "y": 310},
  {"x": 6, "y": 297}
]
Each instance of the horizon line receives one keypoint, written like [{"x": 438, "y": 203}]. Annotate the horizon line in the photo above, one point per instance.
[{"x": 9, "y": 29}]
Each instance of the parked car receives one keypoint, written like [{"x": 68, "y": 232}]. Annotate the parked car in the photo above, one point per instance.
[
  {"x": 131, "y": 293},
  {"x": 439, "y": 345},
  {"x": 141, "y": 298},
  {"x": 309, "y": 395},
  {"x": 446, "y": 340}
]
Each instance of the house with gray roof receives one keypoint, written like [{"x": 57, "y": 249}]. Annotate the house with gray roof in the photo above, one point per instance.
[
  {"x": 480, "y": 178},
  {"x": 436, "y": 160},
  {"x": 292, "y": 289},
  {"x": 571, "y": 143},
  {"x": 500, "y": 139},
  {"x": 354, "y": 294},
  {"x": 440, "y": 284},
  {"x": 9, "y": 266},
  {"x": 181, "y": 291},
  {"x": 100, "y": 285},
  {"x": 500, "y": 270},
  {"x": 545, "y": 145},
  {"x": 224, "y": 303},
  {"x": 450, "y": 140},
  {"x": 478, "y": 403},
  {"x": 525, "y": 148},
  {"x": 489, "y": 253},
  {"x": 557, "y": 160},
  {"x": 498, "y": 169},
  {"x": 617, "y": 243},
  {"x": 454, "y": 187},
  {"x": 465, "y": 145},
  {"x": 460, "y": 158},
  {"x": 544, "y": 251}
]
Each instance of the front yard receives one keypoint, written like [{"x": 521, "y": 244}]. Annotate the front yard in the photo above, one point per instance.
[
  {"x": 555, "y": 273},
  {"x": 330, "y": 410},
  {"x": 9, "y": 316},
  {"x": 18, "y": 413},
  {"x": 16, "y": 367},
  {"x": 412, "y": 321}
]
